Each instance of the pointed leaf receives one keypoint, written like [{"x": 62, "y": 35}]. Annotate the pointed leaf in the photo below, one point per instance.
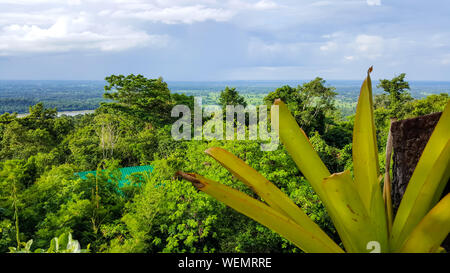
[
  {"x": 431, "y": 231},
  {"x": 365, "y": 160},
  {"x": 261, "y": 213},
  {"x": 309, "y": 163},
  {"x": 28, "y": 245},
  {"x": 365, "y": 151},
  {"x": 273, "y": 196},
  {"x": 348, "y": 204},
  {"x": 300, "y": 149}
]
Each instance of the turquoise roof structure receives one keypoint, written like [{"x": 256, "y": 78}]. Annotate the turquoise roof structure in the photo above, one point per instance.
[{"x": 124, "y": 171}]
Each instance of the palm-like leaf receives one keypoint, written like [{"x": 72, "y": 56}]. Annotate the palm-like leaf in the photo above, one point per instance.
[{"x": 356, "y": 206}]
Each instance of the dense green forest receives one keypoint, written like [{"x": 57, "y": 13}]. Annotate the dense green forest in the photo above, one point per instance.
[{"x": 41, "y": 197}]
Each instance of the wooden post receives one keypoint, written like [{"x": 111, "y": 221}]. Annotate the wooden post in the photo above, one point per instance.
[{"x": 409, "y": 139}]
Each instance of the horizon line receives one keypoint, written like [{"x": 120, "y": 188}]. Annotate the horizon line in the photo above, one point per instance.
[{"x": 212, "y": 81}]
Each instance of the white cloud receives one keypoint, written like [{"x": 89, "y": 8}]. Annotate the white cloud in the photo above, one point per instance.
[
  {"x": 186, "y": 11},
  {"x": 73, "y": 34},
  {"x": 262, "y": 34},
  {"x": 329, "y": 46},
  {"x": 40, "y": 2},
  {"x": 265, "y": 4},
  {"x": 104, "y": 25},
  {"x": 349, "y": 58},
  {"x": 374, "y": 2},
  {"x": 246, "y": 5},
  {"x": 363, "y": 47},
  {"x": 173, "y": 15},
  {"x": 370, "y": 46}
]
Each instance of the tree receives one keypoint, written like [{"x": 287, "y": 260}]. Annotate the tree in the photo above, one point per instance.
[
  {"x": 61, "y": 202},
  {"x": 147, "y": 99},
  {"x": 169, "y": 216},
  {"x": 5, "y": 119},
  {"x": 183, "y": 99},
  {"x": 11, "y": 184},
  {"x": 108, "y": 131},
  {"x": 340, "y": 135},
  {"x": 84, "y": 148},
  {"x": 20, "y": 142},
  {"x": 229, "y": 96},
  {"x": 397, "y": 88},
  {"x": 430, "y": 104},
  {"x": 312, "y": 103}
]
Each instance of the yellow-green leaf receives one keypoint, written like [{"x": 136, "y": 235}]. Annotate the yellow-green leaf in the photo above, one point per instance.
[
  {"x": 365, "y": 160},
  {"x": 365, "y": 151},
  {"x": 348, "y": 204},
  {"x": 314, "y": 170},
  {"x": 261, "y": 213},
  {"x": 431, "y": 231},
  {"x": 309, "y": 163},
  {"x": 268, "y": 192},
  {"x": 388, "y": 200},
  {"x": 300, "y": 149}
]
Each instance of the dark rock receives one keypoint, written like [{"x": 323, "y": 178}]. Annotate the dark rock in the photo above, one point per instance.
[{"x": 410, "y": 137}]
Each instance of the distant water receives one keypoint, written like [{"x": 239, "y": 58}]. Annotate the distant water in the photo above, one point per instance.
[{"x": 65, "y": 113}]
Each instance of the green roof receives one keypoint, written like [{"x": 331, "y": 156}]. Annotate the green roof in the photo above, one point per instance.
[{"x": 124, "y": 171}]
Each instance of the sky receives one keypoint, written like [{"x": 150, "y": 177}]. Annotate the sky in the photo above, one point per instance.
[{"x": 209, "y": 40}]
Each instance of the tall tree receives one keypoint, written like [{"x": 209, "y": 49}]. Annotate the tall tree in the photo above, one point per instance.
[
  {"x": 229, "y": 96},
  {"x": 311, "y": 103},
  {"x": 147, "y": 99},
  {"x": 397, "y": 89},
  {"x": 108, "y": 131}
]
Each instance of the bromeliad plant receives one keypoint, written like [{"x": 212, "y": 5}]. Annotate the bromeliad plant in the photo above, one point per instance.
[{"x": 360, "y": 211}]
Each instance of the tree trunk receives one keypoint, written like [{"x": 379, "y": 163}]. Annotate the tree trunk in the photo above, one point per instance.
[{"x": 409, "y": 139}]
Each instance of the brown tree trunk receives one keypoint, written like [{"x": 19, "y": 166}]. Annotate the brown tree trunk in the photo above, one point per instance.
[{"x": 409, "y": 139}]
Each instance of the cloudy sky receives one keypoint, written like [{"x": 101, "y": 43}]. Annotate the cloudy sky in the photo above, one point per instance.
[{"x": 224, "y": 40}]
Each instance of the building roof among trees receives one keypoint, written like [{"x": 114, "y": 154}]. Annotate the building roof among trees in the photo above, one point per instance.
[{"x": 124, "y": 171}]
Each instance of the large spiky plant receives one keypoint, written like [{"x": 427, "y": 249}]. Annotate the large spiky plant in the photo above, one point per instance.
[{"x": 362, "y": 217}]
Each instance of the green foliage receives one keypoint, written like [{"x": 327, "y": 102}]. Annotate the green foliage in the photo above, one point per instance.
[
  {"x": 148, "y": 99},
  {"x": 229, "y": 96},
  {"x": 169, "y": 216},
  {"x": 39, "y": 132},
  {"x": 361, "y": 213},
  {"x": 312, "y": 104},
  {"x": 339, "y": 135},
  {"x": 397, "y": 103},
  {"x": 430, "y": 104},
  {"x": 20, "y": 142},
  {"x": 328, "y": 154},
  {"x": 397, "y": 95},
  {"x": 84, "y": 147},
  {"x": 7, "y": 233},
  {"x": 183, "y": 99},
  {"x": 40, "y": 198}
]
